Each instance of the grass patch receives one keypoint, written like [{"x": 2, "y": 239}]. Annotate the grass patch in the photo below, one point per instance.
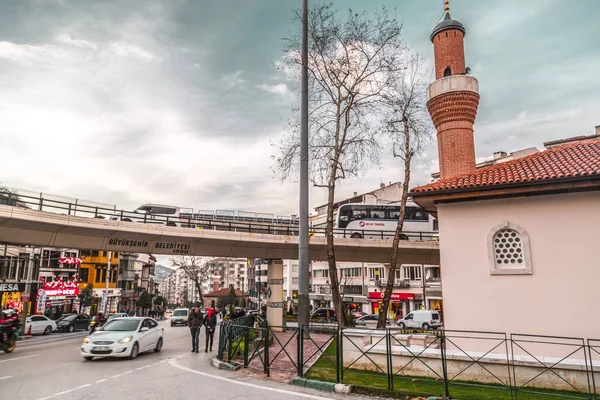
[{"x": 372, "y": 382}]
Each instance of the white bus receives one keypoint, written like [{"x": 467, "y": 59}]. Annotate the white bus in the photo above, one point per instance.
[{"x": 379, "y": 221}]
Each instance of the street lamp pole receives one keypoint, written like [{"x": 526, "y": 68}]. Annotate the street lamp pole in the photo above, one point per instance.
[
  {"x": 303, "y": 250},
  {"x": 107, "y": 280}
]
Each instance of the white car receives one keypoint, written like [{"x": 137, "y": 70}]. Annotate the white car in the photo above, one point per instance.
[
  {"x": 40, "y": 324},
  {"x": 124, "y": 337}
]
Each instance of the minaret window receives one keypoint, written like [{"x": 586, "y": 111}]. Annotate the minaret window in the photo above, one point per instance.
[{"x": 447, "y": 71}]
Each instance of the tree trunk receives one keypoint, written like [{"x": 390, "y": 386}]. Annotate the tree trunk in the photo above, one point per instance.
[
  {"x": 200, "y": 296},
  {"x": 333, "y": 275},
  {"x": 391, "y": 272}
]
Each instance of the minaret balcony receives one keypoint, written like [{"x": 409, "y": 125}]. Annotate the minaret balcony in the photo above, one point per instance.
[{"x": 453, "y": 83}]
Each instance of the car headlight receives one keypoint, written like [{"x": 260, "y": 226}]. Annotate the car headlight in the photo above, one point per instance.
[
  {"x": 126, "y": 340},
  {"x": 86, "y": 340}
]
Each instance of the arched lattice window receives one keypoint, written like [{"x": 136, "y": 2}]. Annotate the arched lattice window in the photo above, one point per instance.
[
  {"x": 508, "y": 246},
  {"x": 447, "y": 71}
]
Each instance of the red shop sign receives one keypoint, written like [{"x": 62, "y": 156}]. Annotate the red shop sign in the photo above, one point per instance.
[{"x": 395, "y": 296}]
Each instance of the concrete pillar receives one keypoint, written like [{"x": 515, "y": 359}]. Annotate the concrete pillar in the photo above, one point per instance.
[{"x": 275, "y": 301}]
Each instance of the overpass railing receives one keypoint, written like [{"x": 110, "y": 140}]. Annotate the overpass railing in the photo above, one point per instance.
[{"x": 82, "y": 208}]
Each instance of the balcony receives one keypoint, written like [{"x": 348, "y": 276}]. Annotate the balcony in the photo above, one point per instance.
[
  {"x": 454, "y": 83},
  {"x": 399, "y": 283}
]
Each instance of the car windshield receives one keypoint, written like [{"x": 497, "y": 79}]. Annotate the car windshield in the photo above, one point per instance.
[
  {"x": 179, "y": 313},
  {"x": 67, "y": 318},
  {"x": 121, "y": 325}
]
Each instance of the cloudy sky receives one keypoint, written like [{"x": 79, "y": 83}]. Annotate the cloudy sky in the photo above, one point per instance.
[{"x": 176, "y": 102}]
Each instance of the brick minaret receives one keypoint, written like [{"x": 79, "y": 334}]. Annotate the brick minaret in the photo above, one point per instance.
[{"x": 452, "y": 99}]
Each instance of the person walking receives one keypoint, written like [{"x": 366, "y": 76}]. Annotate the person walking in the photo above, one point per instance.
[
  {"x": 195, "y": 320},
  {"x": 210, "y": 323}
]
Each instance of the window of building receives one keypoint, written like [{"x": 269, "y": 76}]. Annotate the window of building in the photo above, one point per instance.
[
  {"x": 321, "y": 273},
  {"x": 84, "y": 274},
  {"x": 294, "y": 280},
  {"x": 413, "y": 273},
  {"x": 508, "y": 250},
  {"x": 294, "y": 267},
  {"x": 376, "y": 273},
  {"x": 447, "y": 71},
  {"x": 351, "y": 272}
]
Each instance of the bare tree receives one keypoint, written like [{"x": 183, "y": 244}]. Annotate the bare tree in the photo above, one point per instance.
[
  {"x": 351, "y": 64},
  {"x": 410, "y": 129},
  {"x": 197, "y": 269}
]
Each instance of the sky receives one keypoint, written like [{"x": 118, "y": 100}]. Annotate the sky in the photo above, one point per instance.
[{"x": 177, "y": 102}]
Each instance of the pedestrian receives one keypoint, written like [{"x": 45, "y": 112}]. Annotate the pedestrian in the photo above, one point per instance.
[
  {"x": 210, "y": 323},
  {"x": 195, "y": 323}
]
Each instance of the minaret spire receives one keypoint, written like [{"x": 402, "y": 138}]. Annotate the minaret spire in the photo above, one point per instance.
[{"x": 447, "y": 6}]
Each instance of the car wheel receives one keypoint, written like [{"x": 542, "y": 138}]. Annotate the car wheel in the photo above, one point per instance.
[
  {"x": 401, "y": 325},
  {"x": 71, "y": 328},
  {"x": 158, "y": 345},
  {"x": 172, "y": 325},
  {"x": 356, "y": 236},
  {"x": 88, "y": 358},
  {"x": 87, "y": 327},
  {"x": 48, "y": 330},
  {"x": 426, "y": 327},
  {"x": 134, "y": 351}
]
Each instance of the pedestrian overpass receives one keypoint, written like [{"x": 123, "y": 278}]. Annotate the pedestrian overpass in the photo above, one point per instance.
[{"x": 27, "y": 226}]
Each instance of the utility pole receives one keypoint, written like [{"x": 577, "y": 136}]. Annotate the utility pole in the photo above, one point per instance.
[
  {"x": 107, "y": 280},
  {"x": 27, "y": 289},
  {"x": 303, "y": 250}
]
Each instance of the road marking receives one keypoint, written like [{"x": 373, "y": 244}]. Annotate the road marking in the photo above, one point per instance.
[
  {"x": 66, "y": 391},
  {"x": 19, "y": 358},
  {"x": 115, "y": 376},
  {"x": 101, "y": 380},
  {"x": 127, "y": 372},
  {"x": 252, "y": 385},
  {"x": 5, "y": 377}
]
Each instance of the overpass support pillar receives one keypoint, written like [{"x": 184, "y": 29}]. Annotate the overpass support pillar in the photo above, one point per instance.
[{"x": 275, "y": 303}]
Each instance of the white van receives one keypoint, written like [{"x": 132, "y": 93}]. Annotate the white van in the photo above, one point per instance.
[{"x": 421, "y": 319}]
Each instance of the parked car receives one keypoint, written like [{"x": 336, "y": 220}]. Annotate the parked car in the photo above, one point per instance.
[
  {"x": 123, "y": 337},
  {"x": 180, "y": 316},
  {"x": 40, "y": 324},
  {"x": 73, "y": 322},
  {"x": 362, "y": 321},
  {"x": 421, "y": 319},
  {"x": 358, "y": 314},
  {"x": 324, "y": 313},
  {"x": 116, "y": 315}
]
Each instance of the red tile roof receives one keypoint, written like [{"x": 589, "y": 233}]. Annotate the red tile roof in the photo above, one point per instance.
[{"x": 561, "y": 162}]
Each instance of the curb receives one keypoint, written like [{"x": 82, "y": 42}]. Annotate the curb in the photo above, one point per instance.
[
  {"x": 224, "y": 365},
  {"x": 320, "y": 385}
]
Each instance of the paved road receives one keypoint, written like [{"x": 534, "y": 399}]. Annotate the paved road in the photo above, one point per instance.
[{"x": 55, "y": 370}]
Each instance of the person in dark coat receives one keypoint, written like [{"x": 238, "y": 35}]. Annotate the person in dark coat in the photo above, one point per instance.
[
  {"x": 195, "y": 320},
  {"x": 210, "y": 323}
]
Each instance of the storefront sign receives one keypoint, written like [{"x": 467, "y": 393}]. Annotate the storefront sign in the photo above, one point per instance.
[
  {"x": 177, "y": 248},
  {"x": 275, "y": 282},
  {"x": 12, "y": 287},
  {"x": 395, "y": 296},
  {"x": 41, "y": 301},
  {"x": 275, "y": 304},
  {"x": 60, "y": 288}
]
